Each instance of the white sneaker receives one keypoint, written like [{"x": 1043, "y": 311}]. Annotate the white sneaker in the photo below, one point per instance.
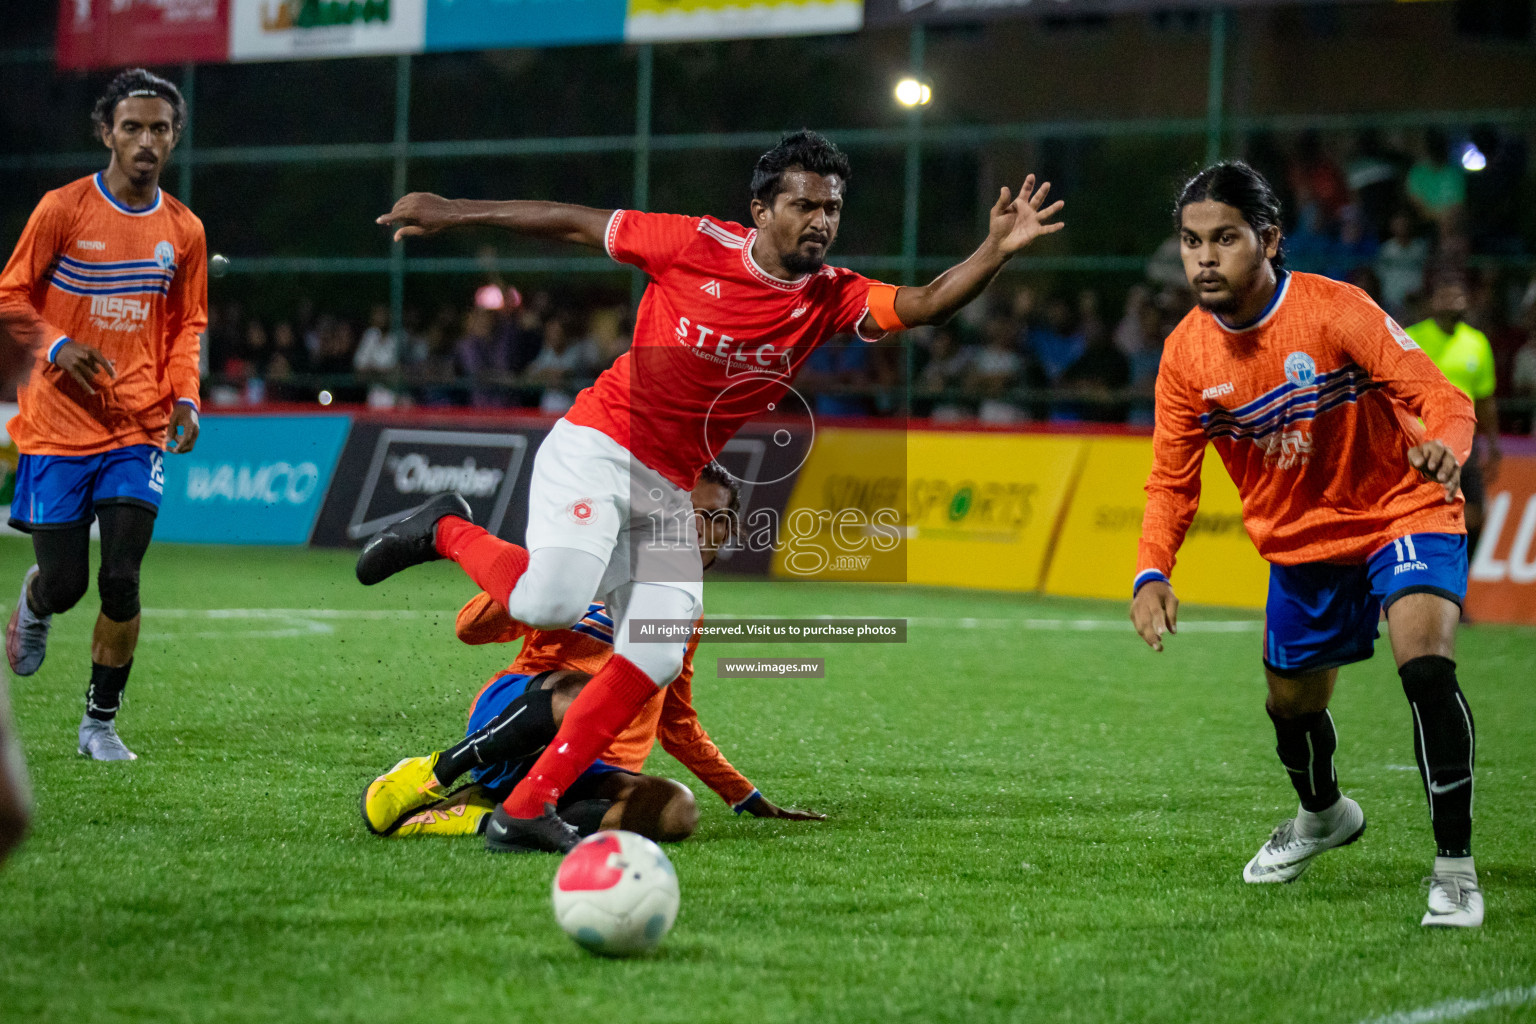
[
  {"x": 1455, "y": 901},
  {"x": 26, "y": 634},
  {"x": 99, "y": 741},
  {"x": 1288, "y": 852}
]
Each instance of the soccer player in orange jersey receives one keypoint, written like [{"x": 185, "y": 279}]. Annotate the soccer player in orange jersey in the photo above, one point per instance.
[
  {"x": 1345, "y": 443},
  {"x": 519, "y": 710},
  {"x": 108, "y": 286}
]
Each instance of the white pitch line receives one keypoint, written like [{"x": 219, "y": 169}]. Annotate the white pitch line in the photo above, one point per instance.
[{"x": 1453, "y": 1009}]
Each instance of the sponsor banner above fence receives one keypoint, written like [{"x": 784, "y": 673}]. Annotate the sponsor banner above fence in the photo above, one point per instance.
[
  {"x": 1503, "y": 572},
  {"x": 104, "y": 33},
  {"x": 251, "y": 480},
  {"x": 905, "y": 12}
]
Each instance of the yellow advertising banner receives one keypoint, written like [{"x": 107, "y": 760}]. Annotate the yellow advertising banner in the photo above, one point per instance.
[
  {"x": 1095, "y": 554},
  {"x": 971, "y": 509},
  {"x": 662, "y": 20}
]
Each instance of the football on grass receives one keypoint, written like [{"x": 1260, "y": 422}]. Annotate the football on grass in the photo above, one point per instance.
[{"x": 616, "y": 894}]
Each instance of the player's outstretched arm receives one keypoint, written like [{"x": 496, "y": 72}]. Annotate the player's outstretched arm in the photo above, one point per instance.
[
  {"x": 422, "y": 213},
  {"x": 1015, "y": 222}
]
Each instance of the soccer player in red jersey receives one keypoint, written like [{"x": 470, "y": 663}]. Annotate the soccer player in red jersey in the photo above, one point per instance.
[
  {"x": 1345, "y": 443},
  {"x": 108, "y": 285},
  {"x": 731, "y": 315},
  {"x": 519, "y": 710}
]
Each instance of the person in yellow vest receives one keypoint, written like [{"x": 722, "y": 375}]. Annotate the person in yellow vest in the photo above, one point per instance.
[{"x": 1463, "y": 354}]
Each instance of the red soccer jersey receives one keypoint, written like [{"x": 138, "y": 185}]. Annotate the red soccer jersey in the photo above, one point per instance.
[
  {"x": 132, "y": 283},
  {"x": 717, "y": 339},
  {"x": 1312, "y": 409}
]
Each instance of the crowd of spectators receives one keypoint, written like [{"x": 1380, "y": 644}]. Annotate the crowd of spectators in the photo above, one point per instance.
[{"x": 1366, "y": 210}]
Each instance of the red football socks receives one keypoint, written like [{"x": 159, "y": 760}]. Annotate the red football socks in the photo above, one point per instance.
[
  {"x": 494, "y": 564},
  {"x": 604, "y": 707}
]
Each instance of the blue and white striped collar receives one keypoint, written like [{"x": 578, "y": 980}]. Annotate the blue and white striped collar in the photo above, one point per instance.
[
  {"x": 122, "y": 207},
  {"x": 1270, "y": 308}
]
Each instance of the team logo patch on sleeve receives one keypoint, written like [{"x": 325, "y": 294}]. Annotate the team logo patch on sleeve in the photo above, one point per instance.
[
  {"x": 582, "y": 512},
  {"x": 1399, "y": 335},
  {"x": 1300, "y": 369}
]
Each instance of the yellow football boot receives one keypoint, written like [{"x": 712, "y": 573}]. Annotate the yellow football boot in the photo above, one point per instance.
[
  {"x": 462, "y": 814},
  {"x": 400, "y": 792}
]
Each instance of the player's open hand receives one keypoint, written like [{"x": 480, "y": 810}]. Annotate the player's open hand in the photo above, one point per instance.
[
  {"x": 1155, "y": 611},
  {"x": 181, "y": 434},
  {"x": 1436, "y": 462},
  {"x": 1017, "y": 222},
  {"x": 83, "y": 363},
  {"x": 761, "y": 807},
  {"x": 419, "y": 213}
]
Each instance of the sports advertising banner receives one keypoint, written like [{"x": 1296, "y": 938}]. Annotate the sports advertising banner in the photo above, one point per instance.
[
  {"x": 846, "y": 519},
  {"x": 1503, "y": 571},
  {"x": 889, "y": 12},
  {"x": 662, "y": 20},
  {"x": 289, "y": 29},
  {"x": 482, "y": 24},
  {"x": 251, "y": 480},
  {"x": 1095, "y": 552},
  {"x": 105, "y": 33}
]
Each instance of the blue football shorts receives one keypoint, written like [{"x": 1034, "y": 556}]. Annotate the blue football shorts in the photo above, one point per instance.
[
  {"x": 56, "y": 492},
  {"x": 1322, "y": 615}
]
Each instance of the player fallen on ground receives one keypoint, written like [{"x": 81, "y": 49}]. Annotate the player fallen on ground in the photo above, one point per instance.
[
  {"x": 518, "y": 712},
  {"x": 108, "y": 285},
  {"x": 1313, "y": 397},
  {"x": 729, "y": 318}
]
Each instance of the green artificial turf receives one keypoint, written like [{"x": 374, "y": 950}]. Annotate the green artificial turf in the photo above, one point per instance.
[{"x": 1026, "y": 823}]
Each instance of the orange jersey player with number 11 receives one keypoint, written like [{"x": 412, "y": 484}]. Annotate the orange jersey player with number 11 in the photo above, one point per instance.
[
  {"x": 1345, "y": 443},
  {"x": 731, "y": 314},
  {"x": 108, "y": 287}
]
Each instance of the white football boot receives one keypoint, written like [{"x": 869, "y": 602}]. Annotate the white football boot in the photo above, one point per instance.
[
  {"x": 1295, "y": 841},
  {"x": 1455, "y": 901}
]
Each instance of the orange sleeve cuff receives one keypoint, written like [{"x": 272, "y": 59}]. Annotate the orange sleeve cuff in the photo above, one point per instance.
[{"x": 882, "y": 306}]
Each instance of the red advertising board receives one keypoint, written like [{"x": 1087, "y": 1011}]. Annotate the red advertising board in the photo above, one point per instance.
[
  {"x": 1502, "y": 587},
  {"x": 110, "y": 33}
]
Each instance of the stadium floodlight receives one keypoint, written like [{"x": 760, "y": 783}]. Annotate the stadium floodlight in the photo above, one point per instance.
[
  {"x": 1472, "y": 158},
  {"x": 912, "y": 93}
]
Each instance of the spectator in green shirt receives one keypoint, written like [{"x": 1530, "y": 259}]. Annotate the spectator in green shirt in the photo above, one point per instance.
[
  {"x": 1437, "y": 186},
  {"x": 1463, "y": 354}
]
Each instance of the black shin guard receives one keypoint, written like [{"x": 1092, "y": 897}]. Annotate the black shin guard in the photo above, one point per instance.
[
  {"x": 105, "y": 695},
  {"x": 1444, "y": 741},
  {"x": 527, "y": 724},
  {"x": 1306, "y": 745}
]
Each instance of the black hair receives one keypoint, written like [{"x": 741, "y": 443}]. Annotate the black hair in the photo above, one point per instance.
[
  {"x": 714, "y": 473},
  {"x": 138, "y": 82},
  {"x": 1236, "y": 184},
  {"x": 803, "y": 150}
]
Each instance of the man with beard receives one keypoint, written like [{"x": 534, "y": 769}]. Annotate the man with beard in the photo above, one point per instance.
[
  {"x": 1346, "y": 444},
  {"x": 731, "y": 315},
  {"x": 108, "y": 286}
]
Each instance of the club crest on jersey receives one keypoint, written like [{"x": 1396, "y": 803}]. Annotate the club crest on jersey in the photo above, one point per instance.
[
  {"x": 582, "y": 512},
  {"x": 165, "y": 255},
  {"x": 1300, "y": 369},
  {"x": 1404, "y": 342}
]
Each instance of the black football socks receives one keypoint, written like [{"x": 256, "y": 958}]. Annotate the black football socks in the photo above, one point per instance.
[
  {"x": 527, "y": 724},
  {"x": 1306, "y": 745},
  {"x": 1444, "y": 741},
  {"x": 105, "y": 694}
]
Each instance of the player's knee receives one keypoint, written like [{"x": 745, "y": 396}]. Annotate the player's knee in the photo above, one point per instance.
[
  {"x": 662, "y": 663},
  {"x": 549, "y": 610},
  {"x": 61, "y": 588},
  {"x": 680, "y": 817},
  {"x": 119, "y": 588},
  {"x": 669, "y": 811}
]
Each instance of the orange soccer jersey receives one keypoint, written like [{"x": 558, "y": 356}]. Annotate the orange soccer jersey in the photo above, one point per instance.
[
  {"x": 586, "y": 647},
  {"x": 132, "y": 283},
  {"x": 1312, "y": 409}
]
